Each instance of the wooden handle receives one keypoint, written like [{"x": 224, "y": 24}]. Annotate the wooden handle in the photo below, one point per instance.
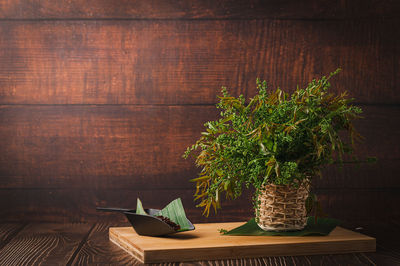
[{"x": 108, "y": 209}]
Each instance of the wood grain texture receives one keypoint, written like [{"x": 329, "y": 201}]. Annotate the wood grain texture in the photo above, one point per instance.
[
  {"x": 43, "y": 244},
  {"x": 98, "y": 99},
  {"x": 206, "y": 243},
  {"x": 118, "y": 147},
  {"x": 386, "y": 232},
  {"x": 360, "y": 205},
  {"x": 102, "y": 146},
  {"x": 60, "y": 162},
  {"x": 98, "y": 250},
  {"x": 78, "y": 205},
  {"x": 8, "y": 231},
  {"x": 187, "y": 62},
  {"x": 379, "y": 175},
  {"x": 226, "y": 9},
  {"x": 331, "y": 260}
]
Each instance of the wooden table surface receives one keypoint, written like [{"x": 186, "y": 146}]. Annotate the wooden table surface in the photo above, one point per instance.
[{"x": 88, "y": 244}]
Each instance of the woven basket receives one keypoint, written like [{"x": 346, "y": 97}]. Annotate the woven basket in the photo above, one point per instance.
[{"x": 282, "y": 207}]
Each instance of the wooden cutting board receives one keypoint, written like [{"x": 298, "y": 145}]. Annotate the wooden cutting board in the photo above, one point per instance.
[{"x": 205, "y": 243}]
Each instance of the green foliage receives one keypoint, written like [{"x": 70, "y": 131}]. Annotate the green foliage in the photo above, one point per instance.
[{"x": 273, "y": 138}]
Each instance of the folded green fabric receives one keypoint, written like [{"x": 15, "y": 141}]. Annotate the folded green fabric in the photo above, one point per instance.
[{"x": 322, "y": 228}]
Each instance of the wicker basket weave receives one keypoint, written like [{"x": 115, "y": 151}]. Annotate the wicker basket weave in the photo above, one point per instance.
[{"x": 282, "y": 207}]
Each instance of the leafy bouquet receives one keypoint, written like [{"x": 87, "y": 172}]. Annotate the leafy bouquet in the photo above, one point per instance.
[{"x": 274, "y": 138}]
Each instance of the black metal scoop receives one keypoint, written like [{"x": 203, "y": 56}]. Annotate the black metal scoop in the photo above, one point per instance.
[{"x": 147, "y": 225}]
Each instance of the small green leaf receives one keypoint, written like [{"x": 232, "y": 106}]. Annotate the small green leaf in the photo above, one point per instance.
[
  {"x": 263, "y": 150},
  {"x": 205, "y": 177},
  {"x": 139, "y": 208},
  {"x": 222, "y": 231},
  {"x": 269, "y": 144},
  {"x": 226, "y": 184}
]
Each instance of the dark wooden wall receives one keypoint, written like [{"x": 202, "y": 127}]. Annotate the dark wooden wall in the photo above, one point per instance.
[{"x": 99, "y": 99}]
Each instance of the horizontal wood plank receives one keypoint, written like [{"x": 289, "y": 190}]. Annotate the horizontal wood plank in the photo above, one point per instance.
[
  {"x": 115, "y": 147},
  {"x": 178, "y": 9},
  {"x": 360, "y": 205},
  {"x": 187, "y": 62},
  {"x": 79, "y": 205},
  {"x": 382, "y": 174},
  {"x": 387, "y": 240},
  {"x": 44, "y": 244},
  {"x": 81, "y": 146}
]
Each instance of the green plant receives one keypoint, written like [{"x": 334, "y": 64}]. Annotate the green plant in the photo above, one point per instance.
[{"x": 273, "y": 138}]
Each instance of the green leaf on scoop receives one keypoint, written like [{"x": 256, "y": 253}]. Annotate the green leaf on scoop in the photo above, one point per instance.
[
  {"x": 176, "y": 213},
  {"x": 139, "y": 208}
]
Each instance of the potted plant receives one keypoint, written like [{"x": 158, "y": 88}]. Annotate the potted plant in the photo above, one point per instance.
[{"x": 276, "y": 143}]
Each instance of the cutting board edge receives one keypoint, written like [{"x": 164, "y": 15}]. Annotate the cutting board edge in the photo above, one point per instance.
[
  {"x": 341, "y": 247},
  {"x": 134, "y": 251}
]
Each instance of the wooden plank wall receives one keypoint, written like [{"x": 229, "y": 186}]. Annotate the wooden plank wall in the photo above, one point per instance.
[{"x": 99, "y": 99}]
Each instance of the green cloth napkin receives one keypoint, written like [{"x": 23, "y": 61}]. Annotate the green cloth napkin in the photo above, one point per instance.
[{"x": 322, "y": 228}]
